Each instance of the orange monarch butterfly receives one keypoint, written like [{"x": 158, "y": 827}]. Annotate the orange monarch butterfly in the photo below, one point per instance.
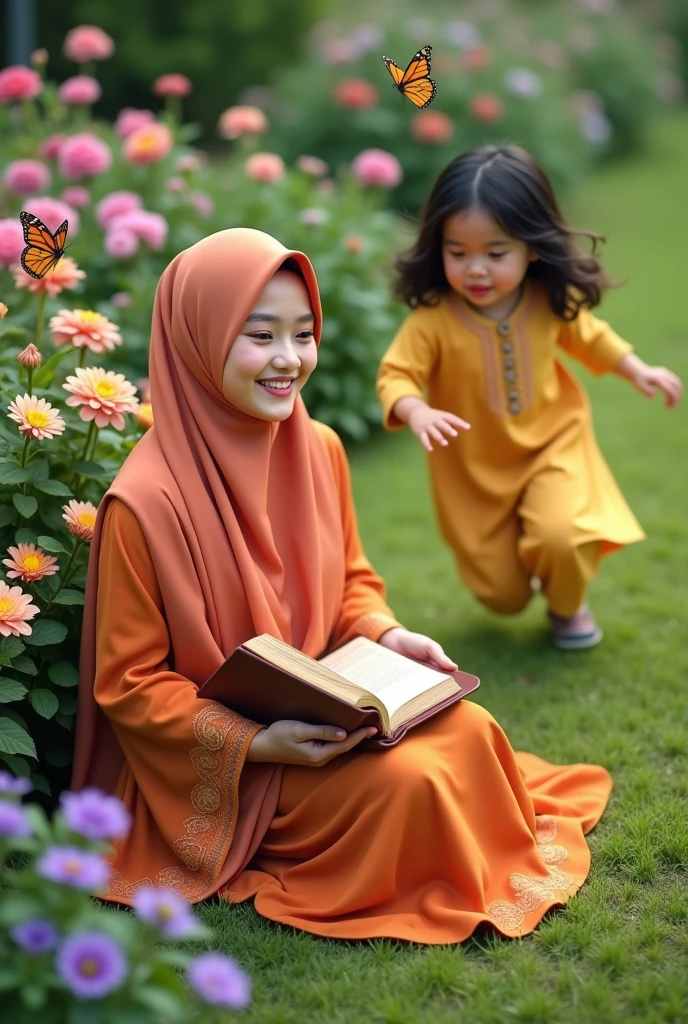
[
  {"x": 414, "y": 83},
  {"x": 44, "y": 250}
]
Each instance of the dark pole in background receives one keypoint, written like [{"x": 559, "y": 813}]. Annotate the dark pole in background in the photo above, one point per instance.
[{"x": 20, "y": 17}]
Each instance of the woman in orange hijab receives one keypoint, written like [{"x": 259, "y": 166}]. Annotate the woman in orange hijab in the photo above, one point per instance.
[{"x": 232, "y": 517}]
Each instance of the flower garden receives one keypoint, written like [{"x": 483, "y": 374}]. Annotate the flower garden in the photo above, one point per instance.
[{"x": 325, "y": 162}]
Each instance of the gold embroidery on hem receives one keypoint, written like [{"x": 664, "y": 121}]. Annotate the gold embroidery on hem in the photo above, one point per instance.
[
  {"x": 531, "y": 892},
  {"x": 201, "y": 850}
]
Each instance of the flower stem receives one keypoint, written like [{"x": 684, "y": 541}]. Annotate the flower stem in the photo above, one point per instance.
[
  {"x": 29, "y": 382},
  {"x": 22, "y": 457},
  {"x": 40, "y": 318},
  {"x": 78, "y": 544},
  {"x": 83, "y": 356},
  {"x": 92, "y": 431}
]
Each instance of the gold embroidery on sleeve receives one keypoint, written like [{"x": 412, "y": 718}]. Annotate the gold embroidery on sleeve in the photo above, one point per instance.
[
  {"x": 203, "y": 846},
  {"x": 530, "y": 891}
]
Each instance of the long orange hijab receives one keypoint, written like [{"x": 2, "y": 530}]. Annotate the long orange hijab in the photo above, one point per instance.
[{"x": 240, "y": 515}]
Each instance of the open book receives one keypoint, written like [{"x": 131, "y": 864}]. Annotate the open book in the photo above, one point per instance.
[{"x": 360, "y": 684}]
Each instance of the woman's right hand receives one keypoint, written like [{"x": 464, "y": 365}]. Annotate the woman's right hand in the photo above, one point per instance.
[
  {"x": 430, "y": 425},
  {"x": 288, "y": 742}
]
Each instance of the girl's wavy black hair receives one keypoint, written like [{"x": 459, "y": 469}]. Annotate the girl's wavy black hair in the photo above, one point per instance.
[{"x": 510, "y": 185}]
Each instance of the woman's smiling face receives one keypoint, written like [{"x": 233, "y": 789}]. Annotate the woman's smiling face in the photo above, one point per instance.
[{"x": 275, "y": 352}]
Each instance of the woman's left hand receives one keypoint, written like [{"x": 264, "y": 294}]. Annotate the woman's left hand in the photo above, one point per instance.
[{"x": 417, "y": 647}]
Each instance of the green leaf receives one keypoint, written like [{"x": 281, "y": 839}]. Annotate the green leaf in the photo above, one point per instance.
[
  {"x": 39, "y": 822},
  {"x": 44, "y": 702},
  {"x": 25, "y": 536},
  {"x": 39, "y": 470},
  {"x": 25, "y": 504},
  {"x": 10, "y": 473},
  {"x": 47, "y": 631},
  {"x": 66, "y": 721},
  {"x": 163, "y": 1003},
  {"x": 85, "y": 1015},
  {"x": 7, "y": 514},
  {"x": 23, "y": 663},
  {"x": 52, "y": 546},
  {"x": 63, "y": 673},
  {"x": 44, "y": 374},
  {"x": 16, "y": 907},
  {"x": 10, "y": 690},
  {"x": 10, "y": 647},
  {"x": 68, "y": 596},
  {"x": 55, "y": 487},
  {"x": 92, "y": 469},
  {"x": 14, "y": 739},
  {"x": 17, "y": 765},
  {"x": 59, "y": 756},
  {"x": 9, "y": 977},
  {"x": 68, "y": 704},
  {"x": 34, "y": 995},
  {"x": 41, "y": 783}
]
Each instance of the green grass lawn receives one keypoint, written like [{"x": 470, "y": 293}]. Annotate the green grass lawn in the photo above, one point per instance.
[{"x": 619, "y": 952}]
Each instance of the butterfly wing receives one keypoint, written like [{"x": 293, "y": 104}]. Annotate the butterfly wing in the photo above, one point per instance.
[
  {"x": 43, "y": 249},
  {"x": 416, "y": 83},
  {"x": 421, "y": 93},
  {"x": 395, "y": 71}
]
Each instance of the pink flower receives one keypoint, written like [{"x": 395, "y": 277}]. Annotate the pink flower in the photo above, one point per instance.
[
  {"x": 187, "y": 163},
  {"x": 148, "y": 144},
  {"x": 76, "y": 196},
  {"x": 37, "y": 418},
  {"x": 120, "y": 243},
  {"x": 86, "y": 43},
  {"x": 80, "y": 517},
  {"x": 378, "y": 168},
  {"x": 104, "y": 396},
  {"x": 340, "y": 51},
  {"x": 312, "y": 165},
  {"x": 172, "y": 84},
  {"x": 486, "y": 106},
  {"x": 175, "y": 185},
  {"x": 15, "y": 611},
  {"x": 150, "y": 228},
  {"x": 19, "y": 83},
  {"x": 356, "y": 94},
  {"x": 313, "y": 216},
  {"x": 26, "y": 176},
  {"x": 29, "y": 563},
  {"x": 81, "y": 90},
  {"x": 50, "y": 147},
  {"x": 30, "y": 358},
  {"x": 52, "y": 212},
  {"x": 121, "y": 300},
  {"x": 237, "y": 121},
  {"x": 84, "y": 328},
  {"x": 432, "y": 127},
  {"x": 115, "y": 204},
  {"x": 265, "y": 167},
  {"x": 84, "y": 156},
  {"x": 129, "y": 119},
  {"x": 11, "y": 241},
  {"x": 202, "y": 203},
  {"x": 65, "y": 275}
]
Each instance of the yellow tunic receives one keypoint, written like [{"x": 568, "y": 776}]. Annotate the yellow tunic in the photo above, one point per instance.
[{"x": 526, "y": 491}]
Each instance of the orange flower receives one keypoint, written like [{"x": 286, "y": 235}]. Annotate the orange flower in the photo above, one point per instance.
[
  {"x": 84, "y": 328},
  {"x": 36, "y": 417},
  {"x": 354, "y": 243},
  {"x": 355, "y": 94},
  {"x": 432, "y": 127},
  {"x": 104, "y": 396},
  {"x": 148, "y": 144},
  {"x": 30, "y": 358},
  {"x": 486, "y": 107},
  {"x": 145, "y": 415},
  {"x": 29, "y": 563},
  {"x": 15, "y": 611},
  {"x": 3, "y": 310},
  {"x": 265, "y": 167},
  {"x": 65, "y": 275},
  {"x": 80, "y": 517}
]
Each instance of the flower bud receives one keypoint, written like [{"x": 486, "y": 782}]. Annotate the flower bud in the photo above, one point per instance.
[{"x": 30, "y": 358}]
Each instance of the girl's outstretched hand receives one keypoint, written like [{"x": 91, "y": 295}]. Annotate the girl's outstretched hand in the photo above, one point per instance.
[
  {"x": 434, "y": 425},
  {"x": 648, "y": 380},
  {"x": 418, "y": 647}
]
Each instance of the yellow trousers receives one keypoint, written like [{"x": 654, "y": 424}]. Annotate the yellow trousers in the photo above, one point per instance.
[{"x": 536, "y": 540}]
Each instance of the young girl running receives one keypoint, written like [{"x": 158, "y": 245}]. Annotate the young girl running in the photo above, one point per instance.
[{"x": 497, "y": 285}]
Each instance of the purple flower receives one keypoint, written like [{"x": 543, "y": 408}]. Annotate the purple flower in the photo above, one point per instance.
[
  {"x": 91, "y": 964},
  {"x": 70, "y": 866},
  {"x": 10, "y": 784},
  {"x": 13, "y": 821},
  {"x": 35, "y": 936},
  {"x": 220, "y": 981},
  {"x": 165, "y": 909},
  {"x": 95, "y": 815}
]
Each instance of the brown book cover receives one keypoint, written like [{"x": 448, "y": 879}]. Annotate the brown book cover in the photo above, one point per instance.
[{"x": 257, "y": 689}]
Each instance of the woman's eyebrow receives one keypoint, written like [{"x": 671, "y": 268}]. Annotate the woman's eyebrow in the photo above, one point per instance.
[{"x": 273, "y": 318}]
